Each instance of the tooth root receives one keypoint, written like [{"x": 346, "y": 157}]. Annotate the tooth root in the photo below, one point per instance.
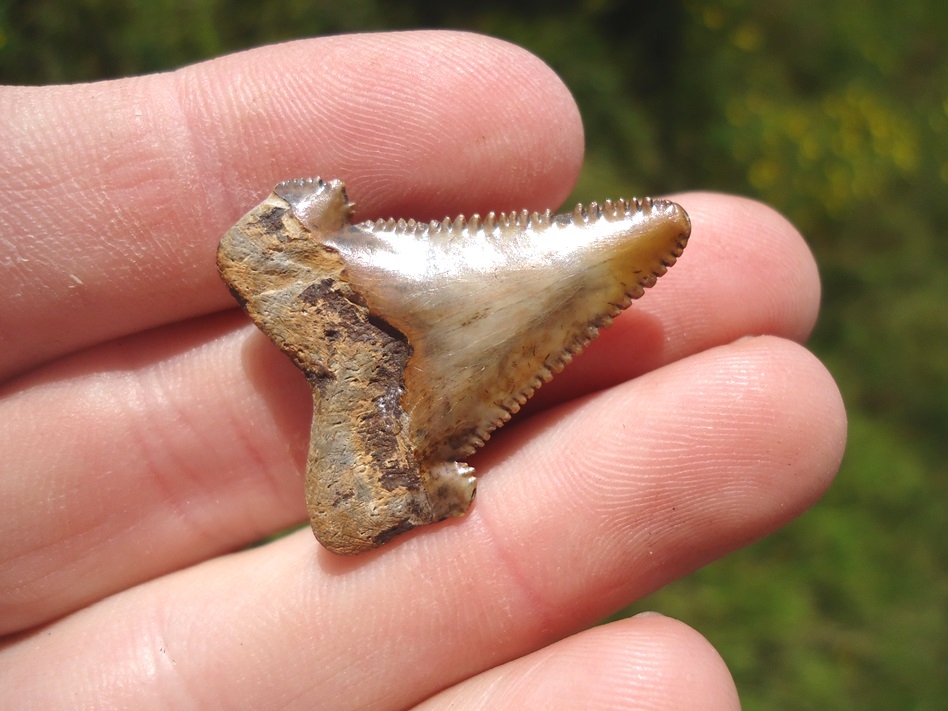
[{"x": 419, "y": 339}]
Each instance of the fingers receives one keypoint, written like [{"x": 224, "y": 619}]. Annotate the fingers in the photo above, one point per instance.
[
  {"x": 647, "y": 662},
  {"x": 128, "y": 456},
  {"x": 201, "y": 433},
  {"x": 112, "y": 209},
  {"x": 580, "y": 510},
  {"x": 668, "y": 471}
]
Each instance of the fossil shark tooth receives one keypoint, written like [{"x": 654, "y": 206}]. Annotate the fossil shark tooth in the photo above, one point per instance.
[{"x": 420, "y": 339}]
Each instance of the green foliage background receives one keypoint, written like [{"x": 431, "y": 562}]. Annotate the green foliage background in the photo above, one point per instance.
[{"x": 833, "y": 111}]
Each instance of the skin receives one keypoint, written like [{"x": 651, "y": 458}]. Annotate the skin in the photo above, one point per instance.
[{"x": 149, "y": 432}]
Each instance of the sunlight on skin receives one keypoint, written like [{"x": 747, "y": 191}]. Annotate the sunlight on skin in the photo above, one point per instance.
[{"x": 180, "y": 433}]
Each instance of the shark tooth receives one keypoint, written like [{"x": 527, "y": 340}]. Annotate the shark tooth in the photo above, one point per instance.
[{"x": 420, "y": 339}]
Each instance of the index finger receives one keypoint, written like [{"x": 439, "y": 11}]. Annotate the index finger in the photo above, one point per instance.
[{"x": 113, "y": 208}]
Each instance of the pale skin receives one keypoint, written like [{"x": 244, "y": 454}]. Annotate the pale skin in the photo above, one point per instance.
[{"x": 148, "y": 430}]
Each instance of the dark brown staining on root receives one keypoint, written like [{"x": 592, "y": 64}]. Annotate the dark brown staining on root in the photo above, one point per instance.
[
  {"x": 401, "y": 477},
  {"x": 388, "y": 534},
  {"x": 388, "y": 329},
  {"x": 346, "y": 325},
  {"x": 320, "y": 377},
  {"x": 241, "y": 299},
  {"x": 320, "y": 293},
  {"x": 272, "y": 221}
]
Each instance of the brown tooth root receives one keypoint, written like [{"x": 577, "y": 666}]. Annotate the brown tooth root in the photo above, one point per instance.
[{"x": 420, "y": 339}]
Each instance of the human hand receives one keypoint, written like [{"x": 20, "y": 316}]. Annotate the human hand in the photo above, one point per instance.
[{"x": 149, "y": 430}]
